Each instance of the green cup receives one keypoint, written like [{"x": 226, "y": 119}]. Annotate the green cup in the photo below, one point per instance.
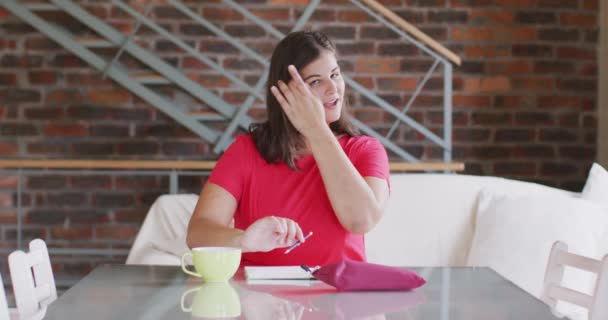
[
  {"x": 213, "y": 300},
  {"x": 213, "y": 264}
]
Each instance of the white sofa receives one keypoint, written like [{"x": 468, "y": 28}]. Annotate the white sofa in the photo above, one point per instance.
[{"x": 430, "y": 220}]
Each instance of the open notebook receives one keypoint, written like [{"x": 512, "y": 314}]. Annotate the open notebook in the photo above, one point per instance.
[{"x": 277, "y": 273}]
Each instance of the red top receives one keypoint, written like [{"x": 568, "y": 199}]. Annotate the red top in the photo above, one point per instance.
[{"x": 262, "y": 189}]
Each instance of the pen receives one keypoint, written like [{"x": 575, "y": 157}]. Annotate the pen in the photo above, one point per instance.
[{"x": 295, "y": 245}]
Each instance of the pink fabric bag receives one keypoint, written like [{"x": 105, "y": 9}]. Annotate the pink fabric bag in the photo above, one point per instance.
[{"x": 348, "y": 275}]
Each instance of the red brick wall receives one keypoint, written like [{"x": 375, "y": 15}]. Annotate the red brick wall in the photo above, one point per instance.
[{"x": 524, "y": 98}]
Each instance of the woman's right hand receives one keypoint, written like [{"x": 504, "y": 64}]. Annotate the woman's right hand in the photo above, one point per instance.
[{"x": 269, "y": 233}]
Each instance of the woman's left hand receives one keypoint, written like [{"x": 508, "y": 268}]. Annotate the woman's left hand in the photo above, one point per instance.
[{"x": 302, "y": 107}]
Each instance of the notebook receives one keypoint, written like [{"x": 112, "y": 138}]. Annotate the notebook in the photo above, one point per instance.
[{"x": 277, "y": 273}]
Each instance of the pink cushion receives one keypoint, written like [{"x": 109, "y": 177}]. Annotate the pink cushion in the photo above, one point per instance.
[{"x": 349, "y": 275}]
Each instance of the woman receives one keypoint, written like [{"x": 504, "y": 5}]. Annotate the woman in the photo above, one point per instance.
[{"x": 304, "y": 170}]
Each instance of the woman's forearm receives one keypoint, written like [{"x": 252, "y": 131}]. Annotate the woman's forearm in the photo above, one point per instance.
[
  {"x": 352, "y": 199},
  {"x": 205, "y": 233}
]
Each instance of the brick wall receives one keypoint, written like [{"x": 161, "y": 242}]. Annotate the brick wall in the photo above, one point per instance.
[{"x": 524, "y": 98}]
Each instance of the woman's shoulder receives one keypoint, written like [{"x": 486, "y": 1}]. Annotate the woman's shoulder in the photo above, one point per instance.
[
  {"x": 360, "y": 141},
  {"x": 243, "y": 142}
]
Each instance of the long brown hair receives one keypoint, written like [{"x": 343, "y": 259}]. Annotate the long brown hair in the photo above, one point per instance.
[{"x": 277, "y": 139}]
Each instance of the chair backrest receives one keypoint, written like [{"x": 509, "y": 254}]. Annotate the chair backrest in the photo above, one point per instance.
[
  {"x": 553, "y": 291},
  {"x": 32, "y": 277},
  {"x": 4, "y": 315}
]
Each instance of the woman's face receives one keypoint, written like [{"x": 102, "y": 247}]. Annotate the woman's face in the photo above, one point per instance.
[{"x": 325, "y": 81}]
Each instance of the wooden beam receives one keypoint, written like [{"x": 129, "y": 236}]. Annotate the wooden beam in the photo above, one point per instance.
[{"x": 188, "y": 165}]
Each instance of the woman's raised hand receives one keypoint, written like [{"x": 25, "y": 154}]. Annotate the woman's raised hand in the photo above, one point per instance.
[
  {"x": 269, "y": 233},
  {"x": 302, "y": 107}
]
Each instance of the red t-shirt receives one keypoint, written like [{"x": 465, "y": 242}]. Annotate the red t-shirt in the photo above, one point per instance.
[{"x": 263, "y": 189}]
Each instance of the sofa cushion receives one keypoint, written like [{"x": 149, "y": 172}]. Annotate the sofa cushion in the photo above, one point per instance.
[
  {"x": 514, "y": 234},
  {"x": 596, "y": 187},
  {"x": 429, "y": 218}
]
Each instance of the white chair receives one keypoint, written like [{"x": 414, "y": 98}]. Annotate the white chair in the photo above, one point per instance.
[
  {"x": 33, "y": 282},
  {"x": 4, "y": 313},
  {"x": 597, "y": 303}
]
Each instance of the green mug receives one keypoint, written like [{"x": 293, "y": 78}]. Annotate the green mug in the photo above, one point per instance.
[
  {"x": 213, "y": 264},
  {"x": 213, "y": 300}
]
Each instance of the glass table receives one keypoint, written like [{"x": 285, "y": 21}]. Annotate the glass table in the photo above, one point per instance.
[{"x": 165, "y": 292}]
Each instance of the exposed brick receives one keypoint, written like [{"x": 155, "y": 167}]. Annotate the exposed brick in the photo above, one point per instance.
[
  {"x": 23, "y": 61},
  {"x": 558, "y": 135},
  {"x": 533, "y": 83},
  {"x": 66, "y": 130},
  {"x": 90, "y": 216},
  {"x": 67, "y": 61},
  {"x": 475, "y": 51},
  {"x": 221, "y": 14},
  {"x": 90, "y": 182},
  {"x": 193, "y": 63},
  {"x": 533, "y": 118},
  {"x": 183, "y": 149},
  {"x": 577, "y": 153},
  {"x": 491, "y": 152},
  {"x": 532, "y": 50},
  {"x": 46, "y": 182},
  {"x": 514, "y": 102},
  {"x": 89, "y": 149},
  {"x": 115, "y": 232},
  {"x": 394, "y": 83},
  {"x": 361, "y": 48},
  {"x": 245, "y": 31},
  {"x": 72, "y": 233},
  {"x": 558, "y": 169},
  {"x": 563, "y": 67},
  {"x": 534, "y": 151},
  {"x": 490, "y": 17},
  {"x": 491, "y": 118},
  {"x": 109, "y": 130},
  {"x": 578, "y": 19},
  {"x": 132, "y": 216},
  {"x": 113, "y": 200},
  {"x": 339, "y": 32},
  {"x": 68, "y": 199},
  {"x": 214, "y": 46},
  {"x": 137, "y": 182},
  {"x": 577, "y": 85},
  {"x": 16, "y": 96},
  {"x": 377, "y": 65},
  {"x": 8, "y": 79},
  {"x": 488, "y": 84},
  {"x": 7, "y": 148},
  {"x": 558, "y": 34},
  {"x": 42, "y": 77},
  {"x": 138, "y": 148},
  {"x": 109, "y": 96},
  {"x": 557, "y": 4},
  {"x": 576, "y": 53},
  {"x": 45, "y": 216},
  {"x": 462, "y": 101},
  {"x": 64, "y": 96},
  {"x": 515, "y": 168},
  {"x": 195, "y": 30},
  {"x": 510, "y": 67},
  {"x": 447, "y": 16},
  {"x": 471, "y": 135},
  {"x": 561, "y": 101},
  {"x": 272, "y": 14},
  {"x": 48, "y": 148},
  {"x": 356, "y": 16},
  {"x": 535, "y": 17},
  {"x": 18, "y": 130},
  {"x": 514, "y": 34},
  {"x": 514, "y": 135}
]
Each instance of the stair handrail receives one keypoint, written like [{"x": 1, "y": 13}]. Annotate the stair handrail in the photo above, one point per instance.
[{"x": 412, "y": 30}]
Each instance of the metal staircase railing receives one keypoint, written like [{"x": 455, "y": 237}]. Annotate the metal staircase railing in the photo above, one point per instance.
[{"x": 167, "y": 74}]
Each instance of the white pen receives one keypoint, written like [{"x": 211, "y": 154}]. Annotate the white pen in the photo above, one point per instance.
[{"x": 295, "y": 245}]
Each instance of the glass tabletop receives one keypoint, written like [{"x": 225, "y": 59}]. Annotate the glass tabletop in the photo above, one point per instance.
[{"x": 164, "y": 292}]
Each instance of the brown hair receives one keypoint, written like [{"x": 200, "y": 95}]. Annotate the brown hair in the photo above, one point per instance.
[{"x": 277, "y": 139}]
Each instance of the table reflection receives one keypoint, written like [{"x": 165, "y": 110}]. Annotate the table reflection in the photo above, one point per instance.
[{"x": 306, "y": 300}]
